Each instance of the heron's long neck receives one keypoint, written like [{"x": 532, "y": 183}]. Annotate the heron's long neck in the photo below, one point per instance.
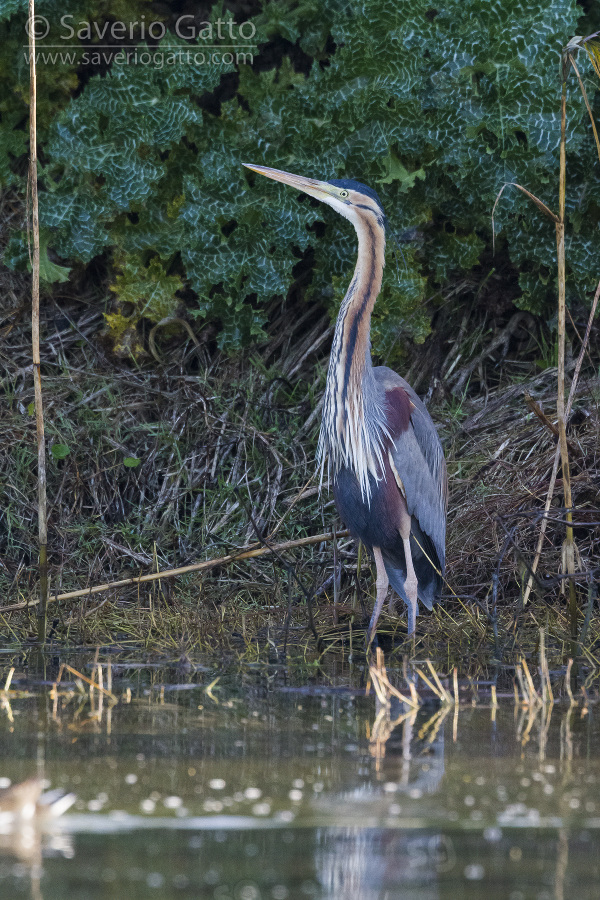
[{"x": 353, "y": 417}]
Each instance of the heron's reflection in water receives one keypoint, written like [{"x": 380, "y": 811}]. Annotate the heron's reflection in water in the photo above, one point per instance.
[{"x": 380, "y": 857}]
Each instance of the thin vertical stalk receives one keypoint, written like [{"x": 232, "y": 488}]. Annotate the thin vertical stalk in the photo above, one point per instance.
[
  {"x": 35, "y": 335},
  {"x": 560, "y": 398},
  {"x": 550, "y": 492}
]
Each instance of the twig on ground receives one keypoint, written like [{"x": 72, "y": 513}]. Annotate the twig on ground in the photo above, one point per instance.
[{"x": 246, "y": 553}]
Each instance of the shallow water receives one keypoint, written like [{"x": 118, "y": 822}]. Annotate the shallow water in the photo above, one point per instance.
[{"x": 275, "y": 786}]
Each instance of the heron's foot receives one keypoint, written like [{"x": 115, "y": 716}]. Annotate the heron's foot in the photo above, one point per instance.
[{"x": 371, "y": 632}]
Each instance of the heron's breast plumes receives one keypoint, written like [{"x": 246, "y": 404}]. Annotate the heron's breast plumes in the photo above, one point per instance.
[
  {"x": 360, "y": 426},
  {"x": 354, "y": 432}
]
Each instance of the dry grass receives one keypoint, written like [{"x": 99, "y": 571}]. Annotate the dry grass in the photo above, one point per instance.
[
  {"x": 501, "y": 465},
  {"x": 226, "y": 449}
]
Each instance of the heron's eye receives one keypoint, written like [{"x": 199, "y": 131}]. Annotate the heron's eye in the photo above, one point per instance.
[{"x": 343, "y": 194}]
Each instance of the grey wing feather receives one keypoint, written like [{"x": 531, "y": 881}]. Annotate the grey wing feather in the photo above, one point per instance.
[{"x": 419, "y": 459}]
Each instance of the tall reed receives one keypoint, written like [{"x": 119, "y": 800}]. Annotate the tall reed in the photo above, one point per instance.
[
  {"x": 34, "y": 223},
  {"x": 568, "y": 63}
]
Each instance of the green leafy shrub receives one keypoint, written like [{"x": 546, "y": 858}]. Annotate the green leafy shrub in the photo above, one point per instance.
[{"x": 434, "y": 107}]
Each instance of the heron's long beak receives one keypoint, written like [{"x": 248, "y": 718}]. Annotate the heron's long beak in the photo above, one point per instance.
[{"x": 319, "y": 189}]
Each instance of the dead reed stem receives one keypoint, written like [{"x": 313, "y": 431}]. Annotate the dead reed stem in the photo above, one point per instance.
[
  {"x": 35, "y": 335},
  {"x": 185, "y": 570},
  {"x": 567, "y": 62},
  {"x": 550, "y": 494},
  {"x": 382, "y": 686},
  {"x": 446, "y": 698},
  {"x": 93, "y": 684},
  {"x": 533, "y": 694},
  {"x": 440, "y": 693},
  {"x": 563, "y": 450},
  {"x": 568, "y": 683},
  {"x": 547, "y": 694},
  {"x": 560, "y": 398}
]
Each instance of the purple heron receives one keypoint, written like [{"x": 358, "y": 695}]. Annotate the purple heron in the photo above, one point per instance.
[{"x": 385, "y": 458}]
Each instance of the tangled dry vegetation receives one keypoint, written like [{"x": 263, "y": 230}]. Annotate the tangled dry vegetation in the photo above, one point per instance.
[{"x": 189, "y": 455}]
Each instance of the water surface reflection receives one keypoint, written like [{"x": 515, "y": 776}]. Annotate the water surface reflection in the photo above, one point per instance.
[{"x": 262, "y": 785}]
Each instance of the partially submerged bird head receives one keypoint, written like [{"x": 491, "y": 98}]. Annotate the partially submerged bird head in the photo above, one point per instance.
[
  {"x": 25, "y": 801},
  {"x": 353, "y": 200}
]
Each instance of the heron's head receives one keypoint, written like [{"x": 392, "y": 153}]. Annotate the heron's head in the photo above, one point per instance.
[{"x": 353, "y": 200}]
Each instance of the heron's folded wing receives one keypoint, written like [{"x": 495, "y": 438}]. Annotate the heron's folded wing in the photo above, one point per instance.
[{"x": 419, "y": 460}]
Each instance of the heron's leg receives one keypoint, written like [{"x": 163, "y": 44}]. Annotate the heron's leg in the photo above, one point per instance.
[
  {"x": 410, "y": 585},
  {"x": 382, "y": 586}
]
